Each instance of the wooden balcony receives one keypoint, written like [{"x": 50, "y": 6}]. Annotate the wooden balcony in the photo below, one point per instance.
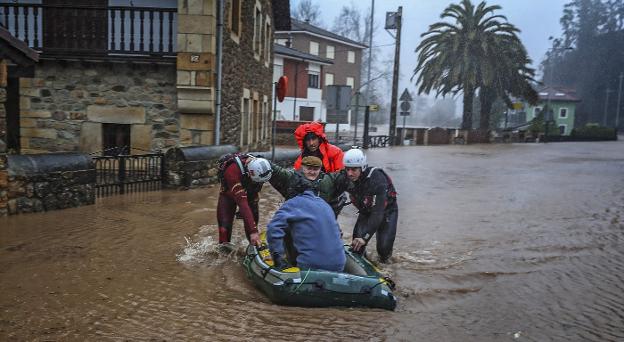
[{"x": 93, "y": 30}]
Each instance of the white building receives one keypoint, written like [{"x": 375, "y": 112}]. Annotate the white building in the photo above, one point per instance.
[{"x": 304, "y": 96}]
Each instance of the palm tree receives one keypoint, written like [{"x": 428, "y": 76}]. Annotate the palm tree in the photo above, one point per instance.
[
  {"x": 465, "y": 55},
  {"x": 510, "y": 76}
]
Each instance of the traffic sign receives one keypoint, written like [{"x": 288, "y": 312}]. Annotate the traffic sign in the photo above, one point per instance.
[
  {"x": 405, "y": 96},
  {"x": 405, "y": 106},
  {"x": 404, "y": 113},
  {"x": 373, "y": 108}
]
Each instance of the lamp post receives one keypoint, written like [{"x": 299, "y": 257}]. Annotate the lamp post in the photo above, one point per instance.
[
  {"x": 604, "y": 117},
  {"x": 617, "y": 116}
]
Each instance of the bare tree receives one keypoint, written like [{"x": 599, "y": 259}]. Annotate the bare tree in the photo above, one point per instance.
[
  {"x": 356, "y": 25},
  {"x": 308, "y": 12}
]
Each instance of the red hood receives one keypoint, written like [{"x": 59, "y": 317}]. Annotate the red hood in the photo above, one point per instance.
[{"x": 314, "y": 127}]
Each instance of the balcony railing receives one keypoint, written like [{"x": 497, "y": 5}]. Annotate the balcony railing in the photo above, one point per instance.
[{"x": 93, "y": 30}]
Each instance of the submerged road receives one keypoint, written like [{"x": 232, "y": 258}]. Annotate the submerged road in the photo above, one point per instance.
[{"x": 495, "y": 242}]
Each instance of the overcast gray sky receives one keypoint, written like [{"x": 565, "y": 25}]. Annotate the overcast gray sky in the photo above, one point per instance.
[{"x": 537, "y": 20}]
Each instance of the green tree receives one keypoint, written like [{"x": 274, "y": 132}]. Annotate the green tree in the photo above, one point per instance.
[
  {"x": 594, "y": 29},
  {"x": 509, "y": 77},
  {"x": 465, "y": 55}
]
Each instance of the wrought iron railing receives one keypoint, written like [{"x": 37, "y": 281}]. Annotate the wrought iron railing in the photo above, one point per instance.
[
  {"x": 128, "y": 173},
  {"x": 93, "y": 30}
]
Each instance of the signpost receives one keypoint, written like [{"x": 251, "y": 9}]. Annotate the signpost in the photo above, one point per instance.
[
  {"x": 406, "y": 106},
  {"x": 280, "y": 92},
  {"x": 338, "y": 99}
]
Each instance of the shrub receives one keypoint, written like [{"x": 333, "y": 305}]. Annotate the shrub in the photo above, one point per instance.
[{"x": 594, "y": 132}]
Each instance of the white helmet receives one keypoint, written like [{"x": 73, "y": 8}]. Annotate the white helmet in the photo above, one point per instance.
[
  {"x": 259, "y": 170},
  {"x": 355, "y": 158}
]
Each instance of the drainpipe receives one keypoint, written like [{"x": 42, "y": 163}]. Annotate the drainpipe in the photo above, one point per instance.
[{"x": 220, "y": 6}]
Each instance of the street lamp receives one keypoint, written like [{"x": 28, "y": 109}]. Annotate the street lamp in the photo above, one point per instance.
[{"x": 617, "y": 116}]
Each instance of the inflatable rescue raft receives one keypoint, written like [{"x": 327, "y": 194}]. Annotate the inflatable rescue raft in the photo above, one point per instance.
[{"x": 360, "y": 284}]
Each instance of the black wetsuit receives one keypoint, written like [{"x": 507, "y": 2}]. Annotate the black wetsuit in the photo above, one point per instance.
[{"x": 374, "y": 195}]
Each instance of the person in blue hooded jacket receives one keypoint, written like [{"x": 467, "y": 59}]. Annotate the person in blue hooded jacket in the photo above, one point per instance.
[{"x": 315, "y": 234}]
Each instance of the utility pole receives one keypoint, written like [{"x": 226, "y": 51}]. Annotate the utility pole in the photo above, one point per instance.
[
  {"x": 366, "y": 119},
  {"x": 617, "y": 116},
  {"x": 370, "y": 55},
  {"x": 604, "y": 118},
  {"x": 357, "y": 112},
  {"x": 395, "y": 77}
]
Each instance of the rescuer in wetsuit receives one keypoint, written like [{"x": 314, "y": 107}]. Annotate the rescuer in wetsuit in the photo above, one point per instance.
[{"x": 241, "y": 181}]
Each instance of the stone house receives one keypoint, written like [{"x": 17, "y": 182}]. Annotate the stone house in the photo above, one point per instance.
[
  {"x": 15, "y": 56},
  {"x": 137, "y": 76},
  {"x": 345, "y": 54}
]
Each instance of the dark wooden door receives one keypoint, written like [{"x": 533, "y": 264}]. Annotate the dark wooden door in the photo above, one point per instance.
[
  {"x": 75, "y": 26},
  {"x": 115, "y": 139},
  {"x": 306, "y": 113},
  {"x": 13, "y": 115}
]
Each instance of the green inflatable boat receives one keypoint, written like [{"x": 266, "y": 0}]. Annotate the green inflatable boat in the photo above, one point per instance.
[{"x": 361, "y": 283}]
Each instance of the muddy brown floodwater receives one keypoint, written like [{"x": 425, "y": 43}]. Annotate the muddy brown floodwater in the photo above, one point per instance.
[{"x": 495, "y": 242}]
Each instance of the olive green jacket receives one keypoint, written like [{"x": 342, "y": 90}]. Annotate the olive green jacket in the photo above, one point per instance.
[{"x": 289, "y": 183}]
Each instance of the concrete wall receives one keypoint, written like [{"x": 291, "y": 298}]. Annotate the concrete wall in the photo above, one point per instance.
[{"x": 64, "y": 106}]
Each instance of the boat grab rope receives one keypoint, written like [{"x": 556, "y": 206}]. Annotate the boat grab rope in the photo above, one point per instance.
[{"x": 302, "y": 281}]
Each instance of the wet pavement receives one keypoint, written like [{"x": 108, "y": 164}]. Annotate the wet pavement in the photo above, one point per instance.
[{"x": 520, "y": 242}]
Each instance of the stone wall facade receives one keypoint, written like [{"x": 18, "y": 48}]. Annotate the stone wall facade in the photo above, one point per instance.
[
  {"x": 50, "y": 185},
  {"x": 3, "y": 173},
  {"x": 196, "y": 39},
  {"x": 64, "y": 107},
  {"x": 247, "y": 80},
  {"x": 198, "y": 168}
]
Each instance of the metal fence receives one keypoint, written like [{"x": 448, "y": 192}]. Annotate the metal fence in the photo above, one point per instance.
[
  {"x": 377, "y": 141},
  {"x": 128, "y": 173}
]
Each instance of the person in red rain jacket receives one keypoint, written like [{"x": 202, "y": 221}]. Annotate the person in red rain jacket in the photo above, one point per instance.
[
  {"x": 241, "y": 182},
  {"x": 313, "y": 142}
]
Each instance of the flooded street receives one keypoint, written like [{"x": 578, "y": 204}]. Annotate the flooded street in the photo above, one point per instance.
[{"x": 495, "y": 242}]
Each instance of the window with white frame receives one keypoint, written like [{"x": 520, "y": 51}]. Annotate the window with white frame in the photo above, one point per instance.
[
  {"x": 267, "y": 39},
  {"x": 563, "y": 113},
  {"x": 245, "y": 119},
  {"x": 351, "y": 56},
  {"x": 265, "y": 117},
  {"x": 351, "y": 82},
  {"x": 562, "y": 129},
  {"x": 257, "y": 37},
  {"x": 314, "y": 48},
  {"x": 314, "y": 81},
  {"x": 537, "y": 111},
  {"x": 329, "y": 52},
  {"x": 235, "y": 17},
  {"x": 329, "y": 78}
]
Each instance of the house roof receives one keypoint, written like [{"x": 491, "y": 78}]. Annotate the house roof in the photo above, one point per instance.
[
  {"x": 290, "y": 52},
  {"x": 16, "y": 50},
  {"x": 557, "y": 94},
  {"x": 304, "y": 27}
]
